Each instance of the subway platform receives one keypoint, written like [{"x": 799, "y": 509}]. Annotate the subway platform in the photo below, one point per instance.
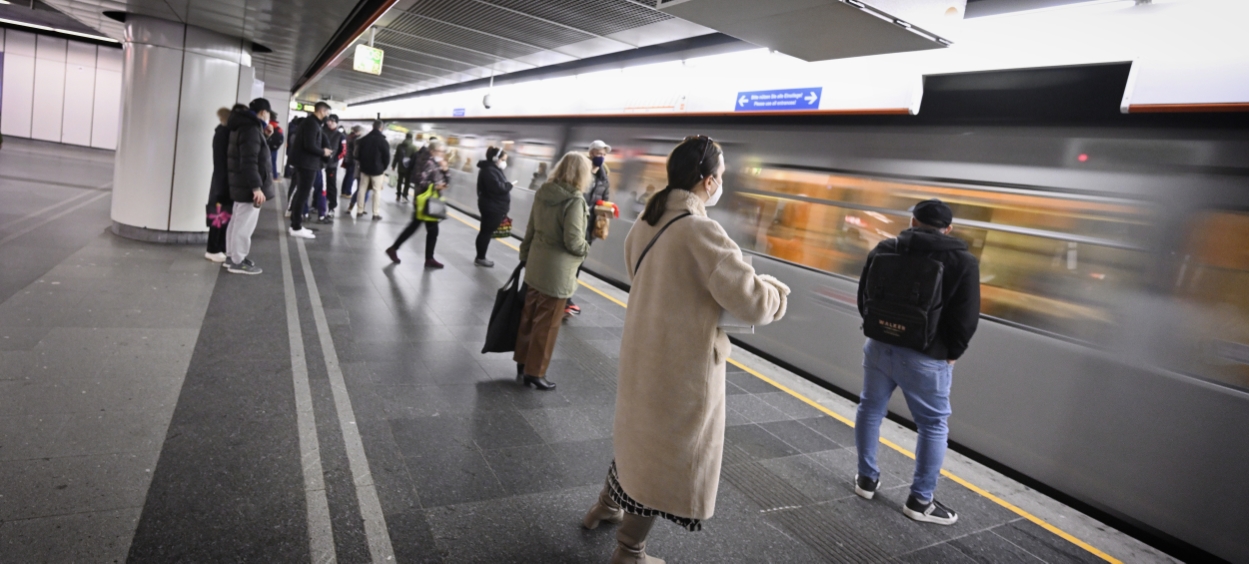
[{"x": 154, "y": 408}]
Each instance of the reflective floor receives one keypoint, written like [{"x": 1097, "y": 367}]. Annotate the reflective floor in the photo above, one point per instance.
[{"x": 154, "y": 408}]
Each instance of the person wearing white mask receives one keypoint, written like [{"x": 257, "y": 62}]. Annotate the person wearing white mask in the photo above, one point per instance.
[
  {"x": 600, "y": 189},
  {"x": 494, "y": 199},
  {"x": 668, "y": 436}
]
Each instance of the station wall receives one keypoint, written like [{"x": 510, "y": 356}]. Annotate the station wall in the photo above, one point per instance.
[{"x": 59, "y": 90}]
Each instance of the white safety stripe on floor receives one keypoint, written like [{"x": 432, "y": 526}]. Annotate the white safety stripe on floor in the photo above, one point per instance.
[
  {"x": 370, "y": 506},
  {"x": 44, "y": 210},
  {"x": 320, "y": 528},
  {"x": 52, "y": 218}
]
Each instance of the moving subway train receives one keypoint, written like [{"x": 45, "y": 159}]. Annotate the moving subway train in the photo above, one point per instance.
[{"x": 1112, "y": 361}]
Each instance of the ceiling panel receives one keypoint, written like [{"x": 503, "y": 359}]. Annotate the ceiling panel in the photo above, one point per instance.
[
  {"x": 296, "y": 30},
  {"x": 432, "y": 43}
]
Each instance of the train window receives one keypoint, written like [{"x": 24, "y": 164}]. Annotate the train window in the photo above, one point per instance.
[
  {"x": 1214, "y": 277},
  {"x": 1053, "y": 263}
]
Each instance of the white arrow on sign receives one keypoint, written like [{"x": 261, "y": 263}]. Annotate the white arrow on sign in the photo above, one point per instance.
[
  {"x": 811, "y": 98},
  {"x": 743, "y": 101}
]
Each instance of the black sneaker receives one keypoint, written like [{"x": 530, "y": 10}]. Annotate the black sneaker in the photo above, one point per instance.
[
  {"x": 864, "y": 487},
  {"x": 933, "y": 512}
]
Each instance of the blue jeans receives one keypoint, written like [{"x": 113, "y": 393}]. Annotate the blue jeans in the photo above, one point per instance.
[{"x": 925, "y": 383}]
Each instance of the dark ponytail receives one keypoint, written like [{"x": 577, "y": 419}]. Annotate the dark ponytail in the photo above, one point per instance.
[
  {"x": 492, "y": 152},
  {"x": 684, "y": 172}
]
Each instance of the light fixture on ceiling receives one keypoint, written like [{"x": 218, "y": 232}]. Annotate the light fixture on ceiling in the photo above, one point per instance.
[{"x": 56, "y": 30}]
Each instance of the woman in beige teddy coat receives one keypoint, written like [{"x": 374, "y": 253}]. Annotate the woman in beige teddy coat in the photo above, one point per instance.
[{"x": 669, "y": 428}]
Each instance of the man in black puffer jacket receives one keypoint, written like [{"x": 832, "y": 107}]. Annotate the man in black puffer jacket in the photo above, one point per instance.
[
  {"x": 251, "y": 180},
  {"x": 308, "y": 147},
  {"x": 924, "y": 376}
]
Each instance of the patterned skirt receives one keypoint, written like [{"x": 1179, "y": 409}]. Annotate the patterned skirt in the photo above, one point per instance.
[{"x": 627, "y": 503}]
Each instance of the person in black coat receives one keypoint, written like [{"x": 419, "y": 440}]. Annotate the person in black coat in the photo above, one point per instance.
[
  {"x": 250, "y": 178},
  {"x": 308, "y": 147},
  {"x": 494, "y": 199},
  {"x": 337, "y": 143},
  {"x": 372, "y": 156},
  {"x": 276, "y": 139},
  {"x": 924, "y": 376},
  {"x": 219, "y": 203}
]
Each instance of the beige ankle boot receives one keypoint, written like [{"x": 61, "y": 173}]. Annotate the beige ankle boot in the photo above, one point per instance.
[
  {"x": 604, "y": 509},
  {"x": 631, "y": 541}
]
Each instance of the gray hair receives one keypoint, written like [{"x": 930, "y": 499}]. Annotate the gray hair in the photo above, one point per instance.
[{"x": 436, "y": 145}]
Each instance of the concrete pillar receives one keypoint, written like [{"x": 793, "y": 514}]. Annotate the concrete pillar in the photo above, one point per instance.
[{"x": 174, "y": 78}]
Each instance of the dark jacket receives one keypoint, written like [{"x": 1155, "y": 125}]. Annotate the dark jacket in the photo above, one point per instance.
[
  {"x": 248, "y": 156},
  {"x": 493, "y": 189},
  {"x": 431, "y": 174},
  {"x": 334, "y": 140},
  {"x": 420, "y": 161},
  {"x": 349, "y": 159},
  {"x": 960, "y": 287},
  {"x": 373, "y": 154},
  {"x": 275, "y": 140},
  {"x": 290, "y": 135},
  {"x": 406, "y": 150},
  {"x": 219, "y": 190},
  {"x": 307, "y": 141},
  {"x": 600, "y": 188}
]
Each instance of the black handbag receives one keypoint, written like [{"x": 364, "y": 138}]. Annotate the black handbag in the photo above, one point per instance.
[{"x": 505, "y": 318}]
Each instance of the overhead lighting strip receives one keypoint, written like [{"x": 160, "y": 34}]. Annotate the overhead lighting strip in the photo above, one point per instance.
[
  {"x": 57, "y": 30},
  {"x": 900, "y": 23}
]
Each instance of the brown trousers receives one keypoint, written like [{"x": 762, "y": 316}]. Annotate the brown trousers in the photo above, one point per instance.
[{"x": 539, "y": 326}]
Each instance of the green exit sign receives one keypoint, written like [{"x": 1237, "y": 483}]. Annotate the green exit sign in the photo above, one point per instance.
[{"x": 367, "y": 59}]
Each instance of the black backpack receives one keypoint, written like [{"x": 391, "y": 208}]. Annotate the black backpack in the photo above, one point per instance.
[{"x": 903, "y": 299}]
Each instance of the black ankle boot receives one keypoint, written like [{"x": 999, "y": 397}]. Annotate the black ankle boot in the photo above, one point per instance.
[{"x": 537, "y": 382}]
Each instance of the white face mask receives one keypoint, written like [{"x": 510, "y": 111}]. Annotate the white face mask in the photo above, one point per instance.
[
  {"x": 715, "y": 197},
  {"x": 502, "y": 165}
]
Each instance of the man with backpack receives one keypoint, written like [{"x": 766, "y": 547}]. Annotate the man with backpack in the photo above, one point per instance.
[{"x": 919, "y": 296}]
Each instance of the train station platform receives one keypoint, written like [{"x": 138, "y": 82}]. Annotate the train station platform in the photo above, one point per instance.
[{"x": 154, "y": 408}]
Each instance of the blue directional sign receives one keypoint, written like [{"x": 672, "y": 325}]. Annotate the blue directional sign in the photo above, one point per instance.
[
  {"x": 790, "y": 99},
  {"x": 458, "y": 112}
]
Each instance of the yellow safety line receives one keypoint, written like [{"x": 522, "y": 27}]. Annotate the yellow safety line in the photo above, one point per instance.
[{"x": 960, "y": 481}]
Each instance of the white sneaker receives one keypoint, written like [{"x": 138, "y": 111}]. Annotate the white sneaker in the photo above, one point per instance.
[
  {"x": 302, "y": 233},
  {"x": 215, "y": 257}
]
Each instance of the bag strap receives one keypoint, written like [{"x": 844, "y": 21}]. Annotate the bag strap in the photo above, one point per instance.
[{"x": 656, "y": 238}]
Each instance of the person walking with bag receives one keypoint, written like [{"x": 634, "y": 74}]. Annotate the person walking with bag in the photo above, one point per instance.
[
  {"x": 553, "y": 249},
  {"x": 219, "y": 203},
  {"x": 670, "y": 401},
  {"x": 494, "y": 200},
  {"x": 432, "y": 181}
]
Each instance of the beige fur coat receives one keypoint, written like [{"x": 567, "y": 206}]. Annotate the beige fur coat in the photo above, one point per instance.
[{"x": 669, "y": 428}]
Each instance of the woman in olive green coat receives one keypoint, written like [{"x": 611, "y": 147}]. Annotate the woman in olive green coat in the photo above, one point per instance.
[{"x": 553, "y": 250}]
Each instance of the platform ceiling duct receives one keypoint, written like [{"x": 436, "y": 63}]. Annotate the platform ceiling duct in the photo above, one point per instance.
[{"x": 818, "y": 30}]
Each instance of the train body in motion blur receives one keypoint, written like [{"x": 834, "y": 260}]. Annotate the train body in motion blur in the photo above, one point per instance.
[{"x": 1112, "y": 360}]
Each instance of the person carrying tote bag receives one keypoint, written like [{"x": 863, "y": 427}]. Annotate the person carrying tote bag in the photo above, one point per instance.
[
  {"x": 553, "y": 250},
  {"x": 434, "y": 179},
  {"x": 668, "y": 435}
]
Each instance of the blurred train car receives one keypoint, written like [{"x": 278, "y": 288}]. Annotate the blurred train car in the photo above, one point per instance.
[{"x": 1112, "y": 360}]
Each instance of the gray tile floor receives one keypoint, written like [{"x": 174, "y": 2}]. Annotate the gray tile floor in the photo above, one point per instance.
[{"x": 147, "y": 412}]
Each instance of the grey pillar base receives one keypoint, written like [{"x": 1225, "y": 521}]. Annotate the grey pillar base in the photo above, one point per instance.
[{"x": 155, "y": 236}]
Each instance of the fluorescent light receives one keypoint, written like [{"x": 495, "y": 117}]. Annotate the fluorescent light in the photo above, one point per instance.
[
  {"x": 89, "y": 36},
  {"x": 65, "y": 31}
]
